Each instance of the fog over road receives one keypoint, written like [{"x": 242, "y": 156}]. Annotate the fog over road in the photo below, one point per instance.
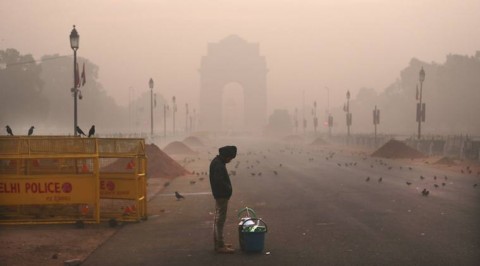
[{"x": 319, "y": 208}]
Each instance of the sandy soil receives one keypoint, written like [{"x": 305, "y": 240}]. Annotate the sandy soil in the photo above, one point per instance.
[{"x": 49, "y": 244}]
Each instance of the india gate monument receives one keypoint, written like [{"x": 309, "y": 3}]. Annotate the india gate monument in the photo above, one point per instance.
[{"x": 233, "y": 60}]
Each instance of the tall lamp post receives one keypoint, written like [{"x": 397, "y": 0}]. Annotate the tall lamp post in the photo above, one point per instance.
[
  {"x": 174, "y": 110},
  {"x": 349, "y": 115},
  {"x": 193, "y": 121},
  {"x": 376, "y": 121},
  {"x": 74, "y": 43},
  {"x": 420, "y": 105},
  {"x": 165, "y": 110},
  {"x": 329, "y": 116},
  {"x": 150, "y": 84},
  {"x": 186, "y": 118},
  {"x": 296, "y": 120},
  {"x": 315, "y": 119}
]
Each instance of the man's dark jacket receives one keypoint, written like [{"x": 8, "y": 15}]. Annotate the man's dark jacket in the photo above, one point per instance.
[{"x": 219, "y": 179}]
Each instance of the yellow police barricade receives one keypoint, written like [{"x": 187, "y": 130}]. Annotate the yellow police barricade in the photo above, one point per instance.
[
  {"x": 123, "y": 189},
  {"x": 49, "y": 180}
]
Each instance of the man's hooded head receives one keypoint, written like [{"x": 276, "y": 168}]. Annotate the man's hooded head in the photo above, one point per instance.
[{"x": 228, "y": 151}]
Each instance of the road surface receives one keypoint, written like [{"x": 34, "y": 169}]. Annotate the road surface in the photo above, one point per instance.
[{"x": 320, "y": 210}]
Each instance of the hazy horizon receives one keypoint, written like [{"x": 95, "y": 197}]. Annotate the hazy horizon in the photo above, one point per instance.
[{"x": 308, "y": 45}]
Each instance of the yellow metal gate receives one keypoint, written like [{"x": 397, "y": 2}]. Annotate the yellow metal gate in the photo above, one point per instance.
[{"x": 48, "y": 180}]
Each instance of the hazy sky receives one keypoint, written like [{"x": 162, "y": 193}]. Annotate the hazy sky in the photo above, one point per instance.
[{"x": 308, "y": 44}]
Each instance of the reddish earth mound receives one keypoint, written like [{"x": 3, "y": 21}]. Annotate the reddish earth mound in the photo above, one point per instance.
[
  {"x": 193, "y": 141},
  {"x": 293, "y": 138},
  {"x": 445, "y": 161},
  {"x": 319, "y": 141},
  {"x": 178, "y": 147},
  {"x": 159, "y": 164},
  {"x": 397, "y": 149}
]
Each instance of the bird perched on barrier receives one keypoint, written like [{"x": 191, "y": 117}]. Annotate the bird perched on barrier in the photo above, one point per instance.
[
  {"x": 178, "y": 196},
  {"x": 91, "y": 132},
  {"x": 80, "y": 131},
  {"x": 9, "y": 130},
  {"x": 30, "y": 131}
]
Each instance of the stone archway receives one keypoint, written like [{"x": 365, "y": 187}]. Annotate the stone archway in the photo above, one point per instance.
[{"x": 233, "y": 60}]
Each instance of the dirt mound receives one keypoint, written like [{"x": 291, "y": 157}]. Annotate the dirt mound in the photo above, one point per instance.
[
  {"x": 159, "y": 164},
  {"x": 177, "y": 147},
  {"x": 293, "y": 138},
  {"x": 397, "y": 149},
  {"x": 193, "y": 141},
  {"x": 445, "y": 161},
  {"x": 319, "y": 141}
]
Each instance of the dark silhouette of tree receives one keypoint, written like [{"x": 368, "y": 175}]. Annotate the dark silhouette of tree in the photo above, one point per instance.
[{"x": 21, "y": 100}]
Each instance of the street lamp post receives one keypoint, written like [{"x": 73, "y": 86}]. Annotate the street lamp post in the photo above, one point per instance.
[
  {"x": 174, "y": 110},
  {"x": 150, "y": 84},
  {"x": 165, "y": 109},
  {"x": 315, "y": 120},
  {"x": 303, "y": 113},
  {"x": 329, "y": 116},
  {"x": 296, "y": 120},
  {"x": 376, "y": 121},
  {"x": 192, "y": 124},
  {"x": 420, "y": 106},
  {"x": 349, "y": 115},
  {"x": 74, "y": 44},
  {"x": 186, "y": 118}
]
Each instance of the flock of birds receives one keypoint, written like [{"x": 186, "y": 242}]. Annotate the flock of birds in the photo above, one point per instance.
[
  {"x": 80, "y": 132},
  {"x": 425, "y": 183}
]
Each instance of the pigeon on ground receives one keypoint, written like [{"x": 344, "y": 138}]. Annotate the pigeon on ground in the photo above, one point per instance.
[
  {"x": 435, "y": 185},
  {"x": 425, "y": 192},
  {"x": 30, "y": 131},
  {"x": 380, "y": 180},
  {"x": 178, "y": 196},
  {"x": 9, "y": 130},
  {"x": 192, "y": 182},
  {"x": 275, "y": 172},
  {"x": 408, "y": 183},
  {"x": 91, "y": 132},
  {"x": 80, "y": 131},
  {"x": 368, "y": 179}
]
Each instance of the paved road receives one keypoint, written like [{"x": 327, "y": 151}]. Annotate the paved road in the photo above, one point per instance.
[{"x": 318, "y": 213}]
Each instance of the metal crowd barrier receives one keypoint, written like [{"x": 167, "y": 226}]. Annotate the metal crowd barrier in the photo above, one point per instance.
[
  {"x": 123, "y": 167},
  {"x": 49, "y": 180},
  {"x": 59, "y": 179}
]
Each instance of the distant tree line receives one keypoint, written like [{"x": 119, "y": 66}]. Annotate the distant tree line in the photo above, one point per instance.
[
  {"x": 38, "y": 92},
  {"x": 451, "y": 92}
]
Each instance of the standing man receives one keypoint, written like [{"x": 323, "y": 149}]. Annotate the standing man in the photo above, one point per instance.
[{"x": 222, "y": 191}]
